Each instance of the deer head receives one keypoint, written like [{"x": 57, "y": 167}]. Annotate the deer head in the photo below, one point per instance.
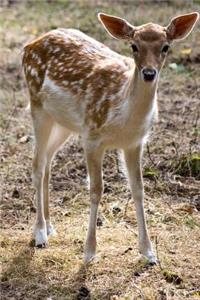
[{"x": 150, "y": 42}]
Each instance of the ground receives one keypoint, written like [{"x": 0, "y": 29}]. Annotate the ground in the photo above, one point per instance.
[{"x": 171, "y": 173}]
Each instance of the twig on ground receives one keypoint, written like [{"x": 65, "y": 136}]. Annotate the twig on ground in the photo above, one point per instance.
[
  {"x": 159, "y": 263},
  {"x": 126, "y": 207},
  {"x": 140, "y": 291},
  {"x": 149, "y": 155},
  {"x": 11, "y": 114}
]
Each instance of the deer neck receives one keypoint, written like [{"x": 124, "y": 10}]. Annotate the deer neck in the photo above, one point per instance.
[{"x": 142, "y": 94}]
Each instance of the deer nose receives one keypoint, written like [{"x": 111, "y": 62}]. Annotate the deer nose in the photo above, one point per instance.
[{"x": 149, "y": 74}]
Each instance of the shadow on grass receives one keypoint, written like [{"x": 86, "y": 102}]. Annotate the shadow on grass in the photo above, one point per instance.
[
  {"x": 79, "y": 289},
  {"x": 21, "y": 278},
  {"x": 26, "y": 278},
  {"x": 12, "y": 274}
]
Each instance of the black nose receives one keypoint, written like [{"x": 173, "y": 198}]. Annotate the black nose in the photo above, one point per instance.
[{"x": 149, "y": 74}]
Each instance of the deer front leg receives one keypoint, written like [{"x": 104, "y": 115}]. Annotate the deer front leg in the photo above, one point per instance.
[
  {"x": 94, "y": 162},
  {"x": 133, "y": 164}
]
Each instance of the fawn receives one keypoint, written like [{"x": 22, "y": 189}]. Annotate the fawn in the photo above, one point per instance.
[{"x": 78, "y": 85}]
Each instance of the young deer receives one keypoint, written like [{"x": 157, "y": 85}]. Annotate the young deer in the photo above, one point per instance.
[{"x": 77, "y": 84}]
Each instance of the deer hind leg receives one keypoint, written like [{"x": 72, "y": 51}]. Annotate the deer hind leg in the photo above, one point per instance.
[
  {"x": 49, "y": 137},
  {"x": 94, "y": 163},
  {"x": 43, "y": 125},
  {"x": 132, "y": 159},
  {"x": 57, "y": 137}
]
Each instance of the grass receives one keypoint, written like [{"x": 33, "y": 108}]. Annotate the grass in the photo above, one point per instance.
[{"x": 172, "y": 198}]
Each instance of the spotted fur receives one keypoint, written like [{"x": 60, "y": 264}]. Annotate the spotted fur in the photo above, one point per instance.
[{"x": 89, "y": 70}]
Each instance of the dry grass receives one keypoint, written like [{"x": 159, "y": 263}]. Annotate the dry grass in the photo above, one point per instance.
[{"x": 172, "y": 200}]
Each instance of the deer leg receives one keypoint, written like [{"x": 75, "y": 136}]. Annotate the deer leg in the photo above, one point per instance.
[
  {"x": 133, "y": 161},
  {"x": 58, "y": 136},
  {"x": 94, "y": 161},
  {"x": 43, "y": 124}
]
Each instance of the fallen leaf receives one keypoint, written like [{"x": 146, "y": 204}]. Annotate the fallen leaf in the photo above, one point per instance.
[
  {"x": 173, "y": 66},
  {"x": 25, "y": 139},
  {"x": 176, "y": 67},
  {"x": 186, "y": 51},
  {"x": 34, "y": 31},
  {"x": 190, "y": 209}
]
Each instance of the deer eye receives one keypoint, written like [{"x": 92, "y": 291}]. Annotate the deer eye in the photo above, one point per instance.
[
  {"x": 134, "y": 48},
  {"x": 165, "y": 49}
]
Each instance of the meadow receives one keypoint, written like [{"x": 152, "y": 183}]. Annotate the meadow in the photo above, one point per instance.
[{"x": 171, "y": 172}]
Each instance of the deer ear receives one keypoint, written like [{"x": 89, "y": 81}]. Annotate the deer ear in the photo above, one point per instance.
[
  {"x": 116, "y": 27},
  {"x": 181, "y": 26}
]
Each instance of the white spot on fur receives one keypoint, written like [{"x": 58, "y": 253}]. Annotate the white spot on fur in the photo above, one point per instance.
[
  {"x": 89, "y": 75},
  {"x": 34, "y": 72},
  {"x": 46, "y": 43},
  {"x": 39, "y": 61},
  {"x": 56, "y": 50}
]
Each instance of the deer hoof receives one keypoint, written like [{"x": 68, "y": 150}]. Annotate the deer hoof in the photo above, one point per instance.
[
  {"x": 151, "y": 258},
  {"x": 90, "y": 258},
  {"x": 41, "y": 240}
]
